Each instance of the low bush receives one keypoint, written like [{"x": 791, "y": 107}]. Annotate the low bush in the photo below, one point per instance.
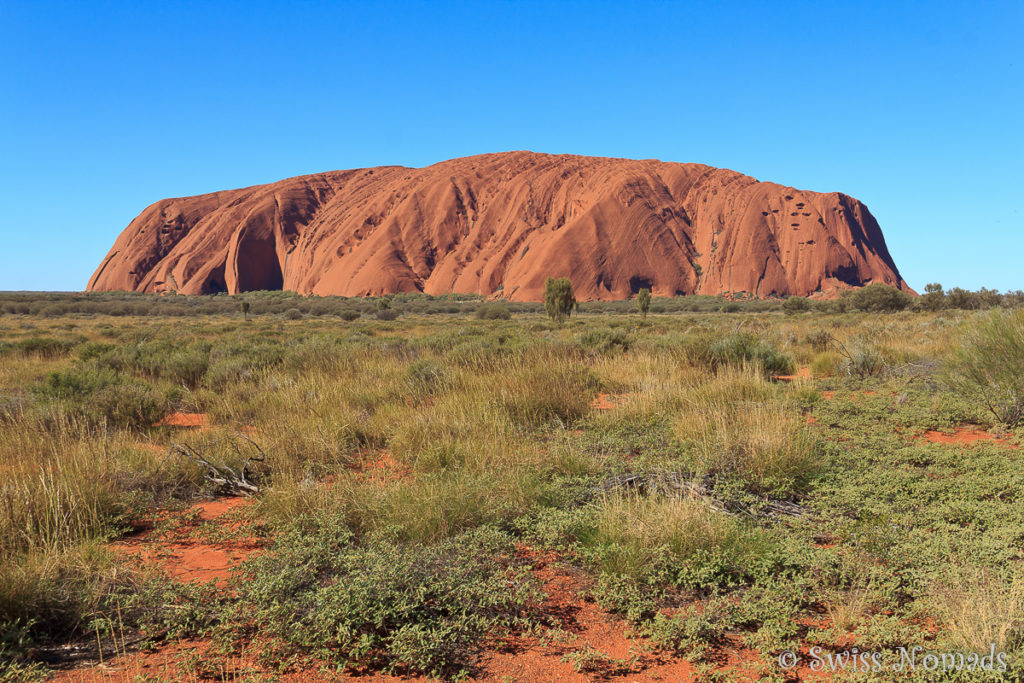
[
  {"x": 862, "y": 359},
  {"x": 318, "y": 593},
  {"x": 738, "y": 434},
  {"x": 101, "y": 395},
  {"x": 540, "y": 395},
  {"x": 819, "y": 340},
  {"x": 796, "y": 304},
  {"x": 744, "y": 348},
  {"x": 497, "y": 310},
  {"x": 41, "y": 347},
  {"x": 876, "y": 298},
  {"x": 606, "y": 339},
  {"x": 988, "y": 365}
]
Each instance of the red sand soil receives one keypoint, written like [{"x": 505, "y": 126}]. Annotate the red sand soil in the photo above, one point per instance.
[
  {"x": 380, "y": 467},
  {"x": 605, "y": 402},
  {"x": 177, "y": 419},
  {"x": 184, "y": 555},
  {"x": 964, "y": 435},
  {"x": 504, "y": 223},
  {"x": 800, "y": 373}
]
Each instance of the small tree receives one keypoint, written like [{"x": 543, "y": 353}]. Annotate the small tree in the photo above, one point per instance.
[
  {"x": 643, "y": 301},
  {"x": 934, "y": 297},
  {"x": 245, "y": 309},
  {"x": 559, "y": 300},
  {"x": 383, "y": 304}
]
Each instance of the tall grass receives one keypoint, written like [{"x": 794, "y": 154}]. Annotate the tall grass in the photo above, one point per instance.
[
  {"x": 979, "y": 608},
  {"x": 636, "y": 531},
  {"x": 988, "y": 366},
  {"x": 738, "y": 429}
]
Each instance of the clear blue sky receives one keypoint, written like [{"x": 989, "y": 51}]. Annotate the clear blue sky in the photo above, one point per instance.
[{"x": 916, "y": 108}]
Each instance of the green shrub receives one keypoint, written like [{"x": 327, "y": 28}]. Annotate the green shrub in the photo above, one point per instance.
[
  {"x": 186, "y": 367},
  {"x": 606, "y": 339},
  {"x": 796, "y": 304},
  {"x": 744, "y": 348},
  {"x": 101, "y": 395},
  {"x": 77, "y": 383},
  {"x": 43, "y": 347},
  {"x": 349, "y": 316},
  {"x": 862, "y": 360},
  {"x": 293, "y": 314},
  {"x": 497, "y": 310},
  {"x": 876, "y": 298},
  {"x": 93, "y": 350},
  {"x": 988, "y": 366},
  {"x": 382, "y": 604},
  {"x": 132, "y": 404},
  {"x": 387, "y": 314}
]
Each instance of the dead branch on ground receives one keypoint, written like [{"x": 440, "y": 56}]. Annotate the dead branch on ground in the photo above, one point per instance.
[{"x": 228, "y": 479}]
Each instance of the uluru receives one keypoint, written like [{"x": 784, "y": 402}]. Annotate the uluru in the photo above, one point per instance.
[{"x": 500, "y": 225}]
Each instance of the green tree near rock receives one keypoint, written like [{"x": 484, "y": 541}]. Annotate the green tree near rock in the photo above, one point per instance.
[
  {"x": 643, "y": 301},
  {"x": 559, "y": 299},
  {"x": 934, "y": 297}
]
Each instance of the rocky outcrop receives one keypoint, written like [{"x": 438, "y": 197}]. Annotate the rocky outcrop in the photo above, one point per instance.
[{"x": 501, "y": 224}]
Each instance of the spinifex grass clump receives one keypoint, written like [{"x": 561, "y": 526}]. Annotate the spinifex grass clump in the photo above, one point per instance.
[
  {"x": 744, "y": 348},
  {"x": 738, "y": 429},
  {"x": 634, "y": 535},
  {"x": 989, "y": 364}
]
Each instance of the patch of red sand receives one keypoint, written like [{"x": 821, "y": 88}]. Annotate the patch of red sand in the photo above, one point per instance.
[
  {"x": 177, "y": 419},
  {"x": 606, "y": 401},
  {"x": 800, "y": 373},
  {"x": 187, "y": 558},
  {"x": 964, "y": 435},
  {"x": 381, "y": 467},
  {"x": 526, "y": 658}
]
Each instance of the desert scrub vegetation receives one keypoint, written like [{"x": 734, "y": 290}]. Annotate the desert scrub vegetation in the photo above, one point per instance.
[
  {"x": 988, "y": 366},
  {"x": 416, "y": 466},
  {"x": 391, "y": 605},
  {"x": 738, "y": 429}
]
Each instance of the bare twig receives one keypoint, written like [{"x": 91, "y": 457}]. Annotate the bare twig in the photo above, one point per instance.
[
  {"x": 227, "y": 478},
  {"x": 676, "y": 484}
]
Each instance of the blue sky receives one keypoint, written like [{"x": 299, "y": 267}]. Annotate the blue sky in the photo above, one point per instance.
[{"x": 913, "y": 107}]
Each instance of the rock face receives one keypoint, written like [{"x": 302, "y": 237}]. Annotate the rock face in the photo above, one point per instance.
[{"x": 501, "y": 224}]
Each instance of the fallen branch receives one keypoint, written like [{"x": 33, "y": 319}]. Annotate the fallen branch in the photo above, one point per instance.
[
  {"x": 676, "y": 484},
  {"x": 227, "y": 478}
]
